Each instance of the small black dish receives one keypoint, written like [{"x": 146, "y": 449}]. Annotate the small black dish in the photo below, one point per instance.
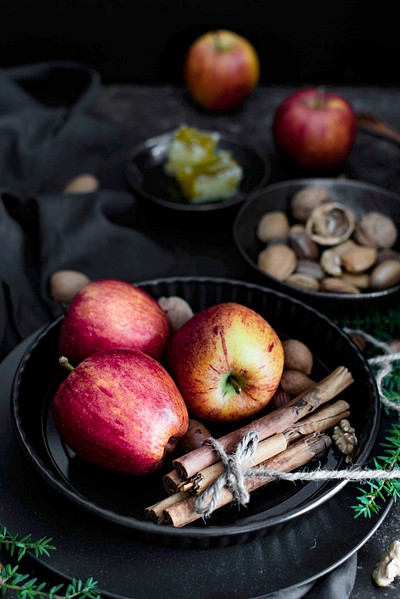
[
  {"x": 120, "y": 501},
  {"x": 146, "y": 175},
  {"x": 359, "y": 196}
]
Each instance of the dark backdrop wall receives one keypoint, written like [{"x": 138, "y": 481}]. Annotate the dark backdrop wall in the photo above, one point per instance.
[{"x": 145, "y": 41}]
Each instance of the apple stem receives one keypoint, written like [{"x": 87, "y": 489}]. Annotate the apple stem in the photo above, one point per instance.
[
  {"x": 220, "y": 44},
  {"x": 235, "y": 384},
  {"x": 319, "y": 98},
  {"x": 63, "y": 361}
]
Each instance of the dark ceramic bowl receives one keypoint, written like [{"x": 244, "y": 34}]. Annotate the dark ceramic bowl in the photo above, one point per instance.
[
  {"x": 358, "y": 196},
  {"x": 120, "y": 500},
  {"x": 147, "y": 177}
]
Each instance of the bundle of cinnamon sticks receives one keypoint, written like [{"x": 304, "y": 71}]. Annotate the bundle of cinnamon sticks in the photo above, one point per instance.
[{"x": 289, "y": 437}]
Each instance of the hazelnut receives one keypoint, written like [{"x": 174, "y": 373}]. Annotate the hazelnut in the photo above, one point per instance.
[
  {"x": 297, "y": 356},
  {"x": 386, "y": 274},
  {"x": 305, "y": 200},
  {"x": 177, "y": 309},
  {"x": 82, "y": 184},
  {"x": 377, "y": 230},
  {"x": 273, "y": 225},
  {"x": 295, "y": 382},
  {"x": 65, "y": 284},
  {"x": 277, "y": 260}
]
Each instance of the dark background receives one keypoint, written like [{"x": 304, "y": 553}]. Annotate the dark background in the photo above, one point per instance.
[{"x": 144, "y": 41}]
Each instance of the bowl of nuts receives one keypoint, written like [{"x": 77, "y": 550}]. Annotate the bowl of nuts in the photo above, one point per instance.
[{"x": 328, "y": 242}]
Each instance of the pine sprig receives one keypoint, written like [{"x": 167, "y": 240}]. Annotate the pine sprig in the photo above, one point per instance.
[
  {"x": 377, "y": 492},
  {"x": 383, "y": 325},
  {"x": 18, "y": 547},
  {"x": 25, "y": 587}
]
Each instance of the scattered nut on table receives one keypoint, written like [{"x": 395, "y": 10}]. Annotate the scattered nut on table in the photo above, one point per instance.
[
  {"x": 388, "y": 566},
  {"x": 65, "y": 284},
  {"x": 85, "y": 183}
]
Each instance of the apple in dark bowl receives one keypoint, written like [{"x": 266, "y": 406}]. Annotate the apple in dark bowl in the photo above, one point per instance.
[{"x": 227, "y": 361}]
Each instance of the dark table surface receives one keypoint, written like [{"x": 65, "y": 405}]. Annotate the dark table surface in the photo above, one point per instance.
[{"x": 206, "y": 249}]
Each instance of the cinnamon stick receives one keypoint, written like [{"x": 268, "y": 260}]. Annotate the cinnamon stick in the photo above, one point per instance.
[
  {"x": 275, "y": 422},
  {"x": 320, "y": 421},
  {"x": 298, "y": 454},
  {"x": 201, "y": 480},
  {"x": 155, "y": 512}
]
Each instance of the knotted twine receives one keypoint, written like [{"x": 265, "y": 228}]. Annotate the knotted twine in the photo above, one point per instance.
[{"x": 234, "y": 475}]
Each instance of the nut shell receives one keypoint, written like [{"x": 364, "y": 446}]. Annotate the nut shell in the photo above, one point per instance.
[
  {"x": 310, "y": 268},
  {"x": 297, "y": 356},
  {"x": 386, "y": 274},
  {"x": 336, "y": 285},
  {"x": 305, "y": 200},
  {"x": 82, "y": 184},
  {"x": 278, "y": 261},
  {"x": 295, "y": 382},
  {"x": 330, "y": 224},
  {"x": 303, "y": 281},
  {"x": 65, "y": 284},
  {"x": 377, "y": 230},
  {"x": 303, "y": 245},
  {"x": 273, "y": 225},
  {"x": 359, "y": 259},
  {"x": 177, "y": 309}
]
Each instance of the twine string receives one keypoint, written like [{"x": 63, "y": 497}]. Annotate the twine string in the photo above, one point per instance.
[
  {"x": 383, "y": 362},
  {"x": 234, "y": 475},
  {"x": 356, "y": 475}
]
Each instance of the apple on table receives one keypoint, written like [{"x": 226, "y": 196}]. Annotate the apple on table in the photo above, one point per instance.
[
  {"x": 221, "y": 69},
  {"x": 314, "y": 129}
]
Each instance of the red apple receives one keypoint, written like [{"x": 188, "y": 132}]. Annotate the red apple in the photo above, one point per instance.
[
  {"x": 314, "y": 129},
  {"x": 221, "y": 69},
  {"x": 120, "y": 409},
  {"x": 108, "y": 314},
  {"x": 227, "y": 362}
]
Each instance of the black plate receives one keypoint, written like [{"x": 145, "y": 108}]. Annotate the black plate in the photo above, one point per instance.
[
  {"x": 361, "y": 197},
  {"x": 121, "y": 500},
  {"x": 146, "y": 175},
  {"x": 314, "y": 544}
]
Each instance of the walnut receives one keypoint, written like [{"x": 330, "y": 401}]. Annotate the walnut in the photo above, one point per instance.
[
  {"x": 388, "y": 566},
  {"x": 330, "y": 224},
  {"x": 344, "y": 437}
]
